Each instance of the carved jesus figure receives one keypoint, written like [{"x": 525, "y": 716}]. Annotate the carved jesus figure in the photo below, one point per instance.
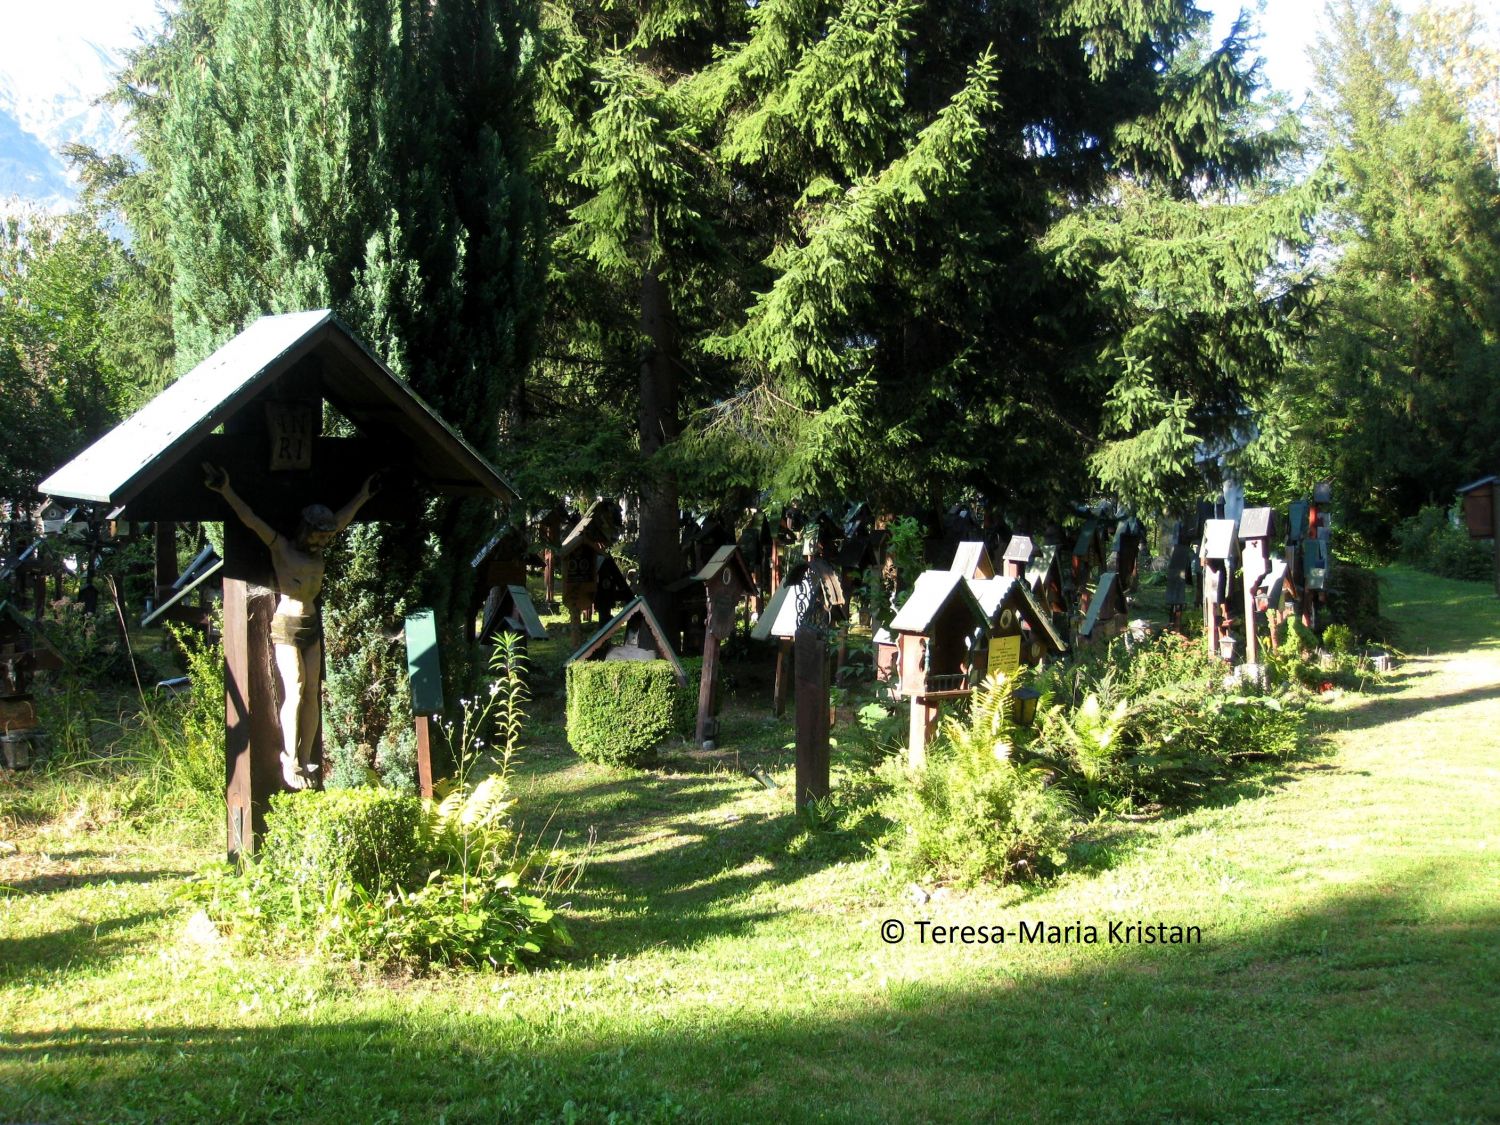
[{"x": 296, "y": 629}]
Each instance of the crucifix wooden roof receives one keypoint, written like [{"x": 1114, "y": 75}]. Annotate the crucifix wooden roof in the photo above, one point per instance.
[{"x": 150, "y": 462}]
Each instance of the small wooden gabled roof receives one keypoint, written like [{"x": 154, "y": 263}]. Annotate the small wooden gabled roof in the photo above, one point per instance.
[
  {"x": 996, "y": 594},
  {"x": 152, "y": 442},
  {"x": 1019, "y": 549},
  {"x": 933, "y": 591},
  {"x": 972, "y": 560},
  {"x": 1218, "y": 540},
  {"x": 522, "y": 618},
  {"x": 1473, "y": 484},
  {"x": 1043, "y": 562},
  {"x": 1257, "y": 523},
  {"x": 636, "y": 607},
  {"x": 779, "y": 619},
  {"x": 727, "y": 556},
  {"x": 1107, "y": 595}
]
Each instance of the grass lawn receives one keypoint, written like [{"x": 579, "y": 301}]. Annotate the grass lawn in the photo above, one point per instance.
[{"x": 730, "y": 964}]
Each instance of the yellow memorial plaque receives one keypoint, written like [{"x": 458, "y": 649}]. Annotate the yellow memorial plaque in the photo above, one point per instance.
[{"x": 1005, "y": 654}]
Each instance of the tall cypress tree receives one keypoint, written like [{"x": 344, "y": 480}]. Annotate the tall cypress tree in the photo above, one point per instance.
[{"x": 368, "y": 156}]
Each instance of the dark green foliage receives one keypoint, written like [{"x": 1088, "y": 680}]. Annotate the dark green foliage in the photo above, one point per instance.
[
  {"x": 620, "y": 711},
  {"x": 1354, "y": 600},
  {"x": 1397, "y": 399},
  {"x": 1430, "y": 541},
  {"x": 63, "y": 377},
  {"x": 367, "y": 837}
]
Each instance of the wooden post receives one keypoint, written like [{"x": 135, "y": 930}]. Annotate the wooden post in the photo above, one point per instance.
[
  {"x": 1210, "y": 616},
  {"x": 424, "y": 755},
  {"x": 425, "y": 677},
  {"x": 252, "y": 731},
  {"x": 923, "y": 715},
  {"x": 1254, "y": 569},
  {"x": 549, "y": 577},
  {"x": 708, "y": 684},
  {"x": 811, "y": 658},
  {"x": 783, "y": 683},
  {"x": 164, "y": 535}
]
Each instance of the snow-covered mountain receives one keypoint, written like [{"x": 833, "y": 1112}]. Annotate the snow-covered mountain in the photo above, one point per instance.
[{"x": 56, "y": 61}]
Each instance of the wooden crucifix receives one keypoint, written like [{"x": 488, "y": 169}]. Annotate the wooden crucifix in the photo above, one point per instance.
[{"x": 254, "y": 411}]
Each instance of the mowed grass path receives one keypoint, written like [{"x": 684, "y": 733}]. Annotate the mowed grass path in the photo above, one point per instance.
[{"x": 731, "y": 965}]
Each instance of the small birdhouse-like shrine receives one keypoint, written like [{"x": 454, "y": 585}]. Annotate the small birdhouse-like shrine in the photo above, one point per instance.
[
  {"x": 1020, "y": 631},
  {"x": 1216, "y": 557},
  {"x": 1105, "y": 616},
  {"x": 726, "y": 582},
  {"x": 1044, "y": 576},
  {"x": 499, "y": 563},
  {"x": 940, "y": 633},
  {"x": 1181, "y": 585},
  {"x": 779, "y": 620},
  {"x": 1016, "y": 557},
  {"x": 509, "y": 609},
  {"x": 1256, "y": 527},
  {"x": 581, "y": 554},
  {"x": 239, "y": 440}
]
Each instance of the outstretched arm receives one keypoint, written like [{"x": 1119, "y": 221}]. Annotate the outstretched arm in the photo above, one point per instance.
[
  {"x": 345, "y": 515},
  {"x": 217, "y": 479}
]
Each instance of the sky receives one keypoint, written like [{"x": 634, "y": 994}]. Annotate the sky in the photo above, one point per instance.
[{"x": 44, "y": 47}]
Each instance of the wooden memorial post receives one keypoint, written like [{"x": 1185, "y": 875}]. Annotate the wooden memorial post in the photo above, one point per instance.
[
  {"x": 726, "y": 582},
  {"x": 1257, "y": 525},
  {"x": 1017, "y": 556},
  {"x": 254, "y": 410},
  {"x": 778, "y": 622},
  {"x": 940, "y": 631},
  {"x": 819, "y": 602},
  {"x": 1217, "y": 558},
  {"x": 424, "y": 672}
]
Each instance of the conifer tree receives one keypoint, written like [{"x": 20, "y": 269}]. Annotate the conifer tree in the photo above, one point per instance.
[
  {"x": 368, "y": 156},
  {"x": 1397, "y": 398}
]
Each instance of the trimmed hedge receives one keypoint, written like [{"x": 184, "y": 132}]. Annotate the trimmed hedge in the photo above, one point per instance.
[
  {"x": 367, "y": 837},
  {"x": 620, "y": 711}
]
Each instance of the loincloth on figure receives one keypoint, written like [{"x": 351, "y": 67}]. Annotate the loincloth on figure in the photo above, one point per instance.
[{"x": 296, "y": 629}]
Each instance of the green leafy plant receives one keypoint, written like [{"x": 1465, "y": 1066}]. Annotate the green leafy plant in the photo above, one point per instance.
[
  {"x": 975, "y": 812},
  {"x": 370, "y": 874}
]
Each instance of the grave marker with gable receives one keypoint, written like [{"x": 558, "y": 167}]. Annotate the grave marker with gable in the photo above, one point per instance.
[{"x": 255, "y": 407}]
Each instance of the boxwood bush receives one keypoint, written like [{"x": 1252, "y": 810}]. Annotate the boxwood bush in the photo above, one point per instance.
[
  {"x": 367, "y": 837},
  {"x": 620, "y": 711}
]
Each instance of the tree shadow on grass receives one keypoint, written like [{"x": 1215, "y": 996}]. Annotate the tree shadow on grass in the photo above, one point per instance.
[
  {"x": 1364, "y": 1006},
  {"x": 1383, "y": 710},
  {"x": 85, "y": 945},
  {"x": 52, "y": 883}
]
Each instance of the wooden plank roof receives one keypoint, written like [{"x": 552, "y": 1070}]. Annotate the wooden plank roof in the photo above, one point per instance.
[
  {"x": 1257, "y": 523},
  {"x": 1019, "y": 549},
  {"x": 125, "y": 461},
  {"x": 932, "y": 591},
  {"x": 994, "y": 594},
  {"x": 523, "y": 618},
  {"x": 779, "y": 619},
  {"x": 972, "y": 560},
  {"x": 729, "y": 556},
  {"x": 1218, "y": 539}
]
